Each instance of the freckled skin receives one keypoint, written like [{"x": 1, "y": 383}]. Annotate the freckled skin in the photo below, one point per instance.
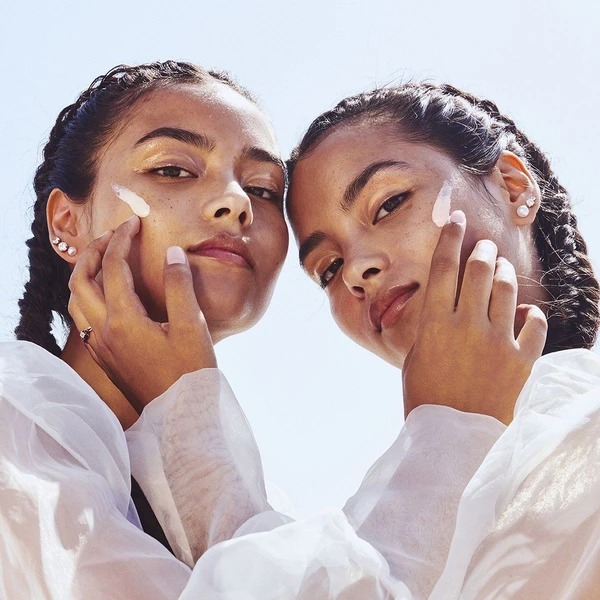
[
  {"x": 183, "y": 209},
  {"x": 397, "y": 249}
]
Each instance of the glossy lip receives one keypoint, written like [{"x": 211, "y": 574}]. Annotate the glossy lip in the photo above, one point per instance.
[
  {"x": 226, "y": 248},
  {"x": 387, "y": 306}
]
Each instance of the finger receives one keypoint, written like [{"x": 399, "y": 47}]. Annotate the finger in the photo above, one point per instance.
[
  {"x": 86, "y": 293},
  {"x": 503, "y": 301},
  {"x": 532, "y": 337},
  {"x": 81, "y": 323},
  {"x": 119, "y": 289},
  {"x": 180, "y": 296},
  {"x": 440, "y": 295},
  {"x": 478, "y": 279}
]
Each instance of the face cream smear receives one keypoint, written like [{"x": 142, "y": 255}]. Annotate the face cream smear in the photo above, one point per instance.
[
  {"x": 441, "y": 208},
  {"x": 138, "y": 205}
]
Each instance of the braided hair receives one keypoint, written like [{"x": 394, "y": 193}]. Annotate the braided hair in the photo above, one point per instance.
[
  {"x": 70, "y": 157},
  {"x": 474, "y": 133}
]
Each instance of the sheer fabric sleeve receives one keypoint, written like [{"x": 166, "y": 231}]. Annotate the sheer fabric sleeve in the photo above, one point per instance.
[
  {"x": 528, "y": 524},
  {"x": 195, "y": 458}
]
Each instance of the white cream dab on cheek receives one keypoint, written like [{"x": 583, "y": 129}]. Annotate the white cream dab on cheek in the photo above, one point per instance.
[
  {"x": 137, "y": 204},
  {"x": 441, "y": 207}
]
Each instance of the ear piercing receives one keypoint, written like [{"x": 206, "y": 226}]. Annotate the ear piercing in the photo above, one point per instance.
[
  {"x": 64, "y": 247},
  {"x": 523, "y": 210}
]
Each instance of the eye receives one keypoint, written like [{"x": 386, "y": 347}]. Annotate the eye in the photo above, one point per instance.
[
  {"x": 389, "y": 206},
  {"x": 173, "y": 172},
  {"x": 329, "y": 273},
  {"x": 264, "y": 193}
]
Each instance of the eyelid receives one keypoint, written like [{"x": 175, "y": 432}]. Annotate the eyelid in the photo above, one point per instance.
[{"x": 403, "y": 197}]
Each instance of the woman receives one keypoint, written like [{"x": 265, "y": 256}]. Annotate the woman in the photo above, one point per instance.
[
  {"x": 371, "y": 182},
  {"x": 190, "y": 153}
]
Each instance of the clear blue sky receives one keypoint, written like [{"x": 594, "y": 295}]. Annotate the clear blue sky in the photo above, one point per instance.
[{"x": 321, "y": 408}]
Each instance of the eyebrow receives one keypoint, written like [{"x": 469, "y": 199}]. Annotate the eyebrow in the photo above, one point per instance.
[
  {"x": 205, "y": 143},
  {"x": 262, "y": 155},
  {"x": 357, "y": 185},
  {"x": 182, "y": 135},
  {"x": 309, "y": 244}
]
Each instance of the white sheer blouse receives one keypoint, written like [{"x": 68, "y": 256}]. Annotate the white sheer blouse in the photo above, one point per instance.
[{"x": 458, "y": 507}]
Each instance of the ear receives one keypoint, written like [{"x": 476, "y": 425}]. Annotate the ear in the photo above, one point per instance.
[
  {"x": 521, "y": 191},
  {"x": 66, "y": 222}
]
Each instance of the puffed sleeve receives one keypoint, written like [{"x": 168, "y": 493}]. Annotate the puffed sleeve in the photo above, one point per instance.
[
  {"x": 528, "y": 524},
  {"x": 195, "y": 458}
]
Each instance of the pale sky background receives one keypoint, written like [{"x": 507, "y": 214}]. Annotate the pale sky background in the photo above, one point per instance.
[{"x": 322, "y": 409}]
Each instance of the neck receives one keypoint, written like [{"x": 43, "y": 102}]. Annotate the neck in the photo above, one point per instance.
[{"x": 79, "y": 359}]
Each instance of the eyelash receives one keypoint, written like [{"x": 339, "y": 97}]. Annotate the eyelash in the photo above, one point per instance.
[
  {"x": 158, "y": 170},
  {"x": 393, "y": 203},
  {"x": 332, "y": 269},
  {"x": 272, "y": 195}
]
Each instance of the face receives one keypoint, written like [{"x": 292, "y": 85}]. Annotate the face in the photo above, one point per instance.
[
  {"x": 206, "y": 162},
  {"x": 361, "y": 206}
]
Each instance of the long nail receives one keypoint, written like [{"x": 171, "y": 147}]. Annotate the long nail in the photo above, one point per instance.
[
  {"x": 175, "y": 256},
  {"x": 458, "y": 217}
]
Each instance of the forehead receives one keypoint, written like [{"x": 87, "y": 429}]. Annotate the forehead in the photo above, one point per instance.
[
  {"x": 323, "y": 175},
  {"x": 213, "y": 109}
]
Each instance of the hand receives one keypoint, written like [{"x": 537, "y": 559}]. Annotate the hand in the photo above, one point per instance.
[
  {"x": 466, "y": 355},
  {"x": 141, "y": 357}
]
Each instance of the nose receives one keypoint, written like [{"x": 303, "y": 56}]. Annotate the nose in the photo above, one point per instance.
[
  {"x": 361, "y": 274},
  {"x": 232, "y": 206}
]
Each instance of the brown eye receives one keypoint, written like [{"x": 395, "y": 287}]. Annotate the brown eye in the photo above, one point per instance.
[
  {"x": 264, "y": 193},
  {"x": 173, "y": 172},
  {"x": 389, "y": 206},
  {"x": 329, "y": 273}
]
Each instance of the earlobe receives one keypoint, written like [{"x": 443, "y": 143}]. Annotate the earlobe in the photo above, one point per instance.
[
  {"x": 63, "y": 217},
  {"x": 523, "y": 191}
]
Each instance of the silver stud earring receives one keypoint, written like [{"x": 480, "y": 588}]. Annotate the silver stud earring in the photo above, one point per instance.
[
  {"x": 530, "y": 202},
  {"x": 63, "y": 246},
  {"x": 56, "y": 240}
]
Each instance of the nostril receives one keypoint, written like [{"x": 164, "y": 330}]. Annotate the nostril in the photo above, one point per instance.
[
  {"x": 222, "y": 212},
  {"x": 358, "y": 291},
  {"x": 370, "y": 272},
  {"x": 243, "y": 217}
]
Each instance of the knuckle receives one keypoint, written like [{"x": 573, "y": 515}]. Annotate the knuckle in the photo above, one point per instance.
[
  {"x": 479, "y": 266},
  {"x": 442, "y": 264},
  {"x": 504, "y": 285}
]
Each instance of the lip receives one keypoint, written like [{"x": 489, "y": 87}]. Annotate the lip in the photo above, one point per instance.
[
  {"x": 225, "y": 248},
  {"x": 387, "y": 306}
]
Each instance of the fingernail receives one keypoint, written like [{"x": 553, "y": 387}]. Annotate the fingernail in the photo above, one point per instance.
[
  {"x": 458, "y": 216},
  {"x": 175, "y": 256}
]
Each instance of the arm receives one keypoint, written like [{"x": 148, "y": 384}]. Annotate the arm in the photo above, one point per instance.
[{"x": 528, "y": 524}]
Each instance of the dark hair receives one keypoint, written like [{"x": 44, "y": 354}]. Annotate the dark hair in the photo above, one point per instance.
[
  {"x": 70, "y": 161},
  {"x": 474, "y": 133}
]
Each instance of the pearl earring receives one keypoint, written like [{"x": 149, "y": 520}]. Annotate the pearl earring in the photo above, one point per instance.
[
  {"x": 64, "y": 247},
  {"x": 523, "y": 210}
]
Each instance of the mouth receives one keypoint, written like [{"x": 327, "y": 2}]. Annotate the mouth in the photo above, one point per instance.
[
  {"x": 387, "y": 307},
  {"x": 226, "y": 249}
]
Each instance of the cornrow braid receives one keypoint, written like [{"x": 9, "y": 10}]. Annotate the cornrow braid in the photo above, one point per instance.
[
  {"x": 70, "y": 164},
  {"x": 474, "y": 133}
]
